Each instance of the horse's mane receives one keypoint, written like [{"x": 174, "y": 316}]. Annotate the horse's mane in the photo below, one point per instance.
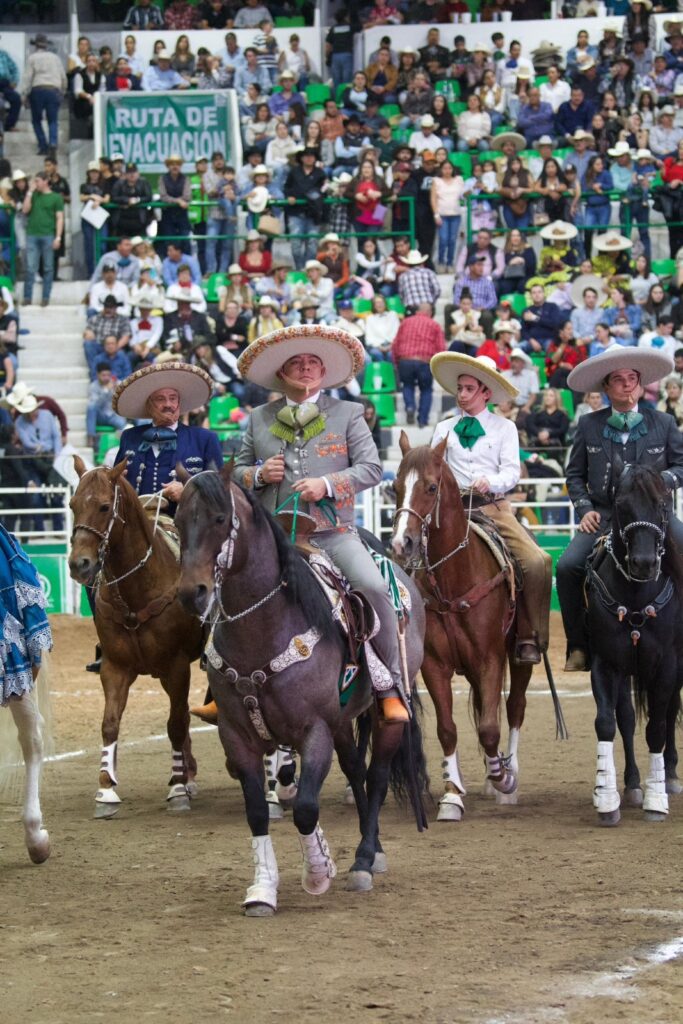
[
  {"x": 301, "y": 590},
  {"x": 646, "y": 481}
]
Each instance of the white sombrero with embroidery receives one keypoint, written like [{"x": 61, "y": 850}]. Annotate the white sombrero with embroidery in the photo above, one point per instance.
[
  {"x": 193, "y": 385},
  {"x": 448, "y": 366},
  {"x": 342, "y": 354},
  {"x": 650, "y": 363}
]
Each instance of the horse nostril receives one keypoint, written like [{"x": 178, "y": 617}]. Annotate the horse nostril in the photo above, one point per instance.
[
  {"x": 83, "y": 564},
  {"x": 200, "y": 593}
]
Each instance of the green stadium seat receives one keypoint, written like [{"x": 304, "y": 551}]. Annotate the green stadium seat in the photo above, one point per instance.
[
  {"x": 385, "y": 407},
  {"x": 449, "y": 87},
  {"x": 340, "y": 91},
  {"x": 389, "y": 110},
  {"x": 395, "y": 304},
  {"x": 379, "y": 377},
  {"x": 6, "y": 282},
  {"x": 362, "y": 306},
  {"x": 538, "y": 359},
  {"x": 516, "y": 300},
  {"x": 541, "y": 80},
  {"x": 567, "y": 397},
  {"x": 662, "y": 268},
  {"x": 105, "y": 429},
  {"x": 463, "y": 161},
  {"x": 210, "y": 287},
  {"x": 296, "y": 277},
  {"x": 296, "y": 21},
  {"x": 317, "y": 93},
  {"x": 561, "y": 154},
  {"x": 220, "y": 408},
  {"x": 105, "y": 443},
  {"x": 457, "y": 107},
  {"x": 400, "y": 134}
]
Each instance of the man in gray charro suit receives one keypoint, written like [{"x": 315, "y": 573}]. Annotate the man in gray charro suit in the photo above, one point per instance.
[
  {"x": 622, "y": 433},
  {"x": 310, "y": 444}
]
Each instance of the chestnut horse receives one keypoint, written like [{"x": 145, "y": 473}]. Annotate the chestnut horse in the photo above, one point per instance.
[
  {"x": 468, "y": 609},
  {"x": 142, "y": 626}
]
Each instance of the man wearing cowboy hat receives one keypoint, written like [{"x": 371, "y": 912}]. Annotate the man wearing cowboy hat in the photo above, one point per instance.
[
  {"x": 43, "y": 85},
  {"x": 109, "y": 286},
  {"x": 146, "y": 328},
  {"x": 418, "y": 283},
  {"x": 131, "y": 196},
  {"x": 163, "y": 393},
  {"x": 175, "y": 190},
  {"x": 623, "y": 433},
  {"x": 576, "y": 113},
  {"x": 304, "y": 193},
  {"x": 664, "y": 137},
  {"x": 523, "y": 376},
  {"x": 321, "y": 449},
  {"x": 482, "y": 451},
  {"x": 161, "y": 77}
]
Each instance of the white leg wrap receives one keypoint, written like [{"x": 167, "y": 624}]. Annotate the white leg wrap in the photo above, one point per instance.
[
  {"x": 319, "y": 868},
  {"x": 177, "y": 764},
  {"x": 656, "y": 798},
  {"x": 606, "y": 795},
  {"x": 513, "y": 746},
  {"x": 270, "y": 765},
  {"x": 502, "y": 778},
  {"x": 451, "y": 772},
  {"x": 266, "y": 877},
  {"x": 108, "y": 762}
]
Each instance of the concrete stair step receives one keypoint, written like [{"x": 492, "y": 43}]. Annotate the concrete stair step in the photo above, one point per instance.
[{"x": 34, "y": 358}]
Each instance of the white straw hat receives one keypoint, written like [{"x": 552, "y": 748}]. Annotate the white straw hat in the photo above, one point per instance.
[
  {"x": 446, "y": 367},
  {"x": 342, "y": 355}
]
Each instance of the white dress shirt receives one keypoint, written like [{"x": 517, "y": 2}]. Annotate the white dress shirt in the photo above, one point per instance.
[
  {"x": 494, "y": 456},
  {"x": 555, "y": 94},
  {"x": 100, "y": 291}
]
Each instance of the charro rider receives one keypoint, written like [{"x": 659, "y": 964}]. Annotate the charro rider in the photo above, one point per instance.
[
  {"x": 483, "y": 454},
  {"x": 310, "y": 444},
  {"x": 625, "y": 431},
  {"x": 163, "y": 393}
]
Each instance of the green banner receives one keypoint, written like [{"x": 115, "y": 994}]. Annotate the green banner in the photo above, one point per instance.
[
  {"x": 54, "y": 577},
  {"x": 148, "y": 127}
]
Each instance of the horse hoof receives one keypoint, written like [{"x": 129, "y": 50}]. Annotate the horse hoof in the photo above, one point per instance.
[
  {"x": 359, "y": 881},
  {"x": 674, "y": 786},
  {"x": 39, "y": 851},
  {"x": 178, "y": 799},
  {"x": 258, "y": 910},
  {"x": 503, "y": 799},
  {"x": 275, "y": 812},
  {"x": 654, "y": 816},
  {"x": 451, "y": 808},
  {"x": 192, "y": 789},
  {"x": 505, "y": 785},
  {"x": 609, "y": 819},
  {"x": 348, "y": 799},
  {"x": 379, "y": 864},
  {"x": 633, "y": 797},
  {"x": 107, "y": 802}
]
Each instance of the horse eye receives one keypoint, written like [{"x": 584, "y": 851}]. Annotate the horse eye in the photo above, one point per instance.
[
  {"x": 104, "y": 508},
  {"x": 220, "y": 519},
  {"x": 431, "y": 489}
]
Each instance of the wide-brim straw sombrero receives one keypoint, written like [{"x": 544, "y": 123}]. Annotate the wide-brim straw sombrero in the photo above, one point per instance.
[
  {"x": 194, "y": 386},
  {"x": 559, "y": 231},
  {"x": 612, "y": 241},
  {"x": 446, "y": 367},
  {"x": 648, "y": 362},
  {"x": 583, "y": 281},
  {"x": 518, "y": 140},
  {"x": 342, "y": 354}
]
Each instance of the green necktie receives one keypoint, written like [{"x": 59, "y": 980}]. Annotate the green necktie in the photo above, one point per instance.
[
  {"x": 469, "y": 430},
  {"x": 625, "y": 421}
]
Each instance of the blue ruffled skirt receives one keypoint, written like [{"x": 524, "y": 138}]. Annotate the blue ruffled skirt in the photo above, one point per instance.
[{"x": 25, "y": 627}]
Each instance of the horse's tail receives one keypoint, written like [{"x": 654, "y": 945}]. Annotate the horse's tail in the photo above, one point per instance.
[
  {"x": 409, "y": 779},
  {"x": 11, "y": 756}
]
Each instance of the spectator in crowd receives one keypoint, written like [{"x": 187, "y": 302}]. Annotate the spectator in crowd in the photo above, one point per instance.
[
  {"x": 59, "y": 186},
  {"x": 304, "y": 193},
  {"x": 86, "y": 83},
  {"x": 183, "y": 60},
  {"x": 251, "y": 73},
  {"x": 562, "y": 355},
  {"x": 91, "y": 191},
  {"x": 238, "y": 290},
  {"x": 99, "y": 412},
  {"x": 418, "y": 339},
  {"x": 147, "y": 328},
  {"x": 480, "y": 287},
  {"x": 265, "y": 319},
  {"x": 251, "y": 14},
  {"x": 536, "y": 118},
  {"x": 108, "y": 322},
  {"x": 143, "y": 16},
  {"x": 161, "y": 77},
  {"x": 231, "y": 56},
  {"x": 339, "y": 43},
  {"x": 474, "y": 126},
  {"x": 9, "y": 77},
  {"x": 174, "y": 189},
  {"x": 586, "y": 316},
  {"x": 218, "y": 251},
  {"x": 186, "y": 324},
  {"x": 220, "y": 364},
  {"x": 180, "y": 16},
  {"x": 267, "y": 50},
  {"x": 109, "y": 285},
  {"x": 547, "y": 426},
  {"x": 276, "y": 285},
  {"x": 123, "y": 79},
  {"x": 382, "y": 77},
  {"x": 214, "y": 14},
  {"x": 43, "y": 85},
  {"x": 575, "y": 113},
  {"x": 672, "y": 402},
  {"x": 131, "y": 195},
  {"x": 494, "y": 257},
  {"x": 232, "y": 328},
  {"x": 109, "y": 350},
  {"x": 44, "y": 212},
  {"x": 540, "y": 321},
  {"x": 127, "y": 265},
  {"x": 418, "y": 284},
  {"x": 556, "y": 90},
  {"x": 295, "y": 59},
  {"x": 381, "y": 327},
  {"x": 317, "y": 286},
  {"x": 185, "y": 288},
  {"x": 524, "y": 375},
  {"x": 175, "y": 257}
]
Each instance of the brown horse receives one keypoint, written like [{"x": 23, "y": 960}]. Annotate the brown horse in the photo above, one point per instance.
[
  {"x": 469, "y": 627},
  {"x": 141, "y": 625}
]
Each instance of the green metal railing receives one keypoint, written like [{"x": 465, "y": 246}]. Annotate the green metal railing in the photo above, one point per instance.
[{"x": 102, "y": 238}]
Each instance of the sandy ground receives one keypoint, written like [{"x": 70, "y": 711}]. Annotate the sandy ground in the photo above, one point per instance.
[{"x": 519, "y": 914}]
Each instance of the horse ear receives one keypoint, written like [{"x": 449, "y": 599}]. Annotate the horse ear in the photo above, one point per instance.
[
  {"x": 226, "y": 469},
  {"x": 79, "y": 466},
  {"x": 181, "y": 473},
  {"x": 118, "y": 470},
  {"x": 404, "y": 443},
  {"x": 440, "y": 448}
]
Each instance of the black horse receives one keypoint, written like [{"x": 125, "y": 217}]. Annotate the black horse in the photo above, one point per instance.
[{"x": 634, "y": 587}]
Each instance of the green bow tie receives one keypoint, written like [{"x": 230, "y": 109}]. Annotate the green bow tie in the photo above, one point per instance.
[
  {"x": 298, "y": 416},
  {"x": 625, "y": 421},
  {"x": 469, "y": 430}
]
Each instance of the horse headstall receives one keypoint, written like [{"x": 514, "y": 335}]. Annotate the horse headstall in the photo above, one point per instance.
[
  {"x": 641, "y": 524},
  {"x": 106, "y": 533}
]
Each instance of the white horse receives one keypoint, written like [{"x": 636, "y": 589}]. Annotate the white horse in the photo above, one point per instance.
[{"x": 31, "y": 719}]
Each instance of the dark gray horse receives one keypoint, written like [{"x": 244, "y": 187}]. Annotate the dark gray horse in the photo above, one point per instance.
[{"x": 275, "y": 660}]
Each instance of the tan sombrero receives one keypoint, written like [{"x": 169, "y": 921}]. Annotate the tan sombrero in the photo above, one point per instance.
[
  {"x": 612, "y": 241},
  {"x": 558, "y": 231},
  {"x": 448, "y": 366},
  {"x": 192, "y": 383},
  {"x": 651, "y": 364},
  {"x": 342, "y": 354},
  {"x": 583, "y": 281},
  {"x": 514, "y": 137}
]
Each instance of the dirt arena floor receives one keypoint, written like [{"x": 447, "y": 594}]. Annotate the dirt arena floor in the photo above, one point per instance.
[{"x": 517, "y": 915}]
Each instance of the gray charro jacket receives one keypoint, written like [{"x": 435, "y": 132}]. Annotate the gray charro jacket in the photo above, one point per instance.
[{"x": 344, "y": 453}]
